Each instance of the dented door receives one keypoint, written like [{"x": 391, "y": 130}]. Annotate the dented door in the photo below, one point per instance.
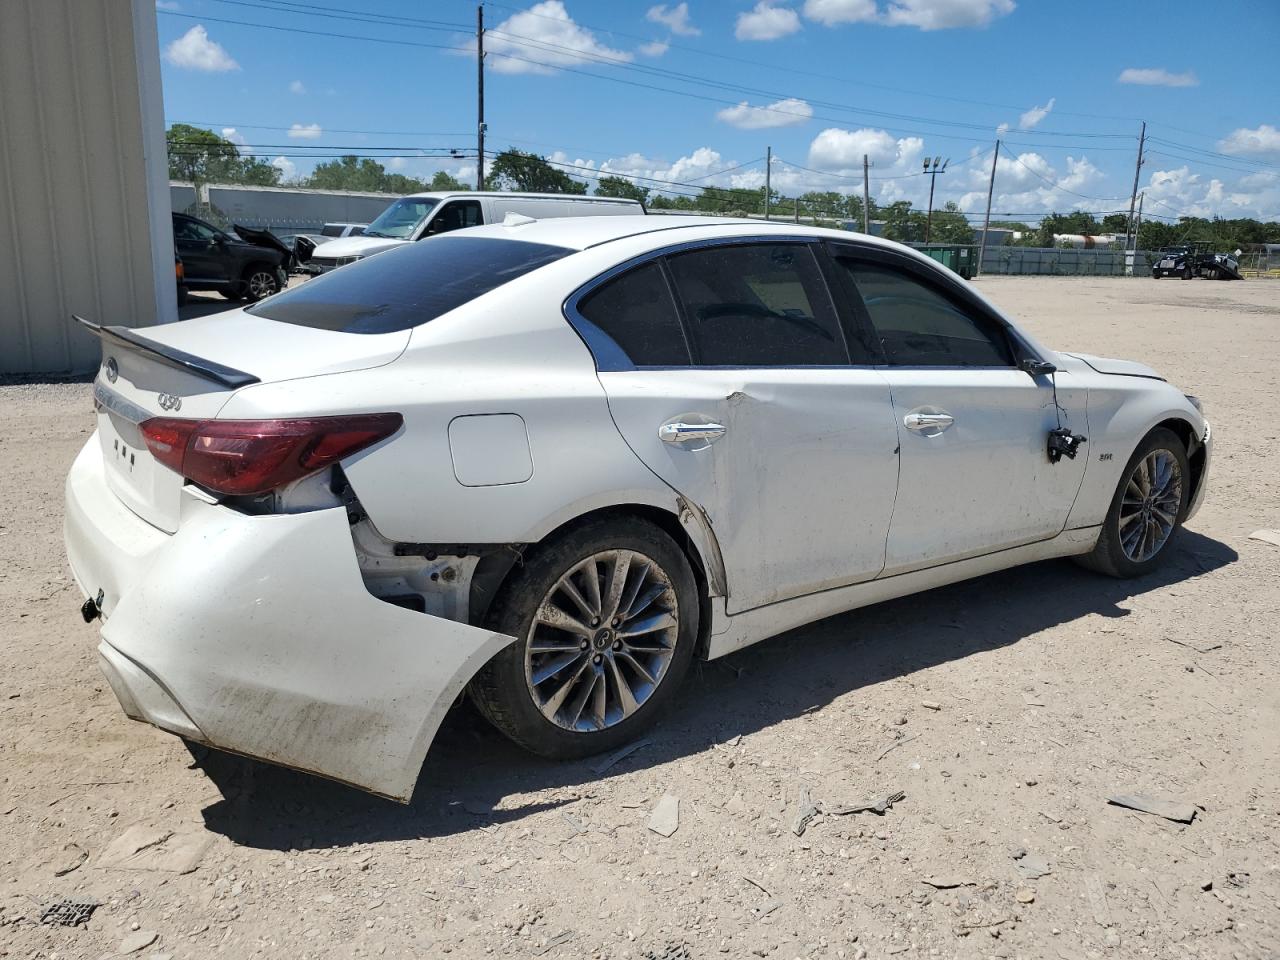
[{"x": 798, "y": 487}]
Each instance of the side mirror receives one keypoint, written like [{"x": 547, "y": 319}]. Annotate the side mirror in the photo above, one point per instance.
[{"x": 1038, "y": 367}]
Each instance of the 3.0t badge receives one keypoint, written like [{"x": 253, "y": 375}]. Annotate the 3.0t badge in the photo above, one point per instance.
[{"x": 169, "y": 402}]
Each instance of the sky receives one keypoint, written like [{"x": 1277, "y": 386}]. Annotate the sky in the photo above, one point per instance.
[{"x": 692, "y": 94}]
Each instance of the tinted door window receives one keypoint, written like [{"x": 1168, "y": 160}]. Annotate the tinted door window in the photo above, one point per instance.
[
  {"x": 637, "y": 312},
  {"x": 920, "y": 327},
  {"x": 184, "y": 229},
  {"x": 456, "y": 216},
  {"x": 759, "y": 305}
]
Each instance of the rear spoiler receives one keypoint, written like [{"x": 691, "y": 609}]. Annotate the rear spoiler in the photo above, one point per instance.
[{"x": 170, "y": 356}]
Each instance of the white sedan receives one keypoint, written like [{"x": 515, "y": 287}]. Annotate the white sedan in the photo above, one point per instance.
[{"x": 549, "y": 463}]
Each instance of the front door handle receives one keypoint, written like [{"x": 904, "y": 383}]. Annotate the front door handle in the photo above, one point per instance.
[
  {"x": 688, "y": 432},
  {"x": 928, "y": 421}
]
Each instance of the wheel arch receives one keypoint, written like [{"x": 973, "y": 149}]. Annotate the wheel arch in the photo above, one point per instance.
[
  {"x": 495, "y": 569},
  {"x": 1186, "y": 432}
]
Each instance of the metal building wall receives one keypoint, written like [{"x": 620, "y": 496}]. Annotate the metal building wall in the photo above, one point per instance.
[{"x": 84, "y": 205}]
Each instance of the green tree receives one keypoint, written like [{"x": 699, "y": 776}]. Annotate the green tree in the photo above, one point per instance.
[
  {"x": 623, "y": 189},
  {"x": 901, "y": 223},
  {"x": 199, "y": 156},
  {"x": 1115, "y": 223},
  {"x": 355, "y": 173},
  {"x": 527, "y": 172},
  {"x": 951, "y": 226},
  {"x": 445, "y": 181}
]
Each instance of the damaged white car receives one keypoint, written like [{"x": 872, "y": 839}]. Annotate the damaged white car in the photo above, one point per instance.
[{"x": 552, "y": 462}]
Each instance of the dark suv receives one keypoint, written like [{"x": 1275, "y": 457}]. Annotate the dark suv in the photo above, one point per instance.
[{"x": 246, "y": 265}]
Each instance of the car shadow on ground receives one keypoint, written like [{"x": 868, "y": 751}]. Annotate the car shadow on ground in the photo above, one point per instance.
[
  {"x": 471, "y": 768},
  {"x": 204, "y": 304}
]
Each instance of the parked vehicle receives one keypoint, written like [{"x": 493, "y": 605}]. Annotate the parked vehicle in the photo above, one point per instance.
[
  {"x": 1195, "y": 260},
  {"x": 338, "y": 230},
  {"x": 179, "y": 276},
  {"x": 551, "y": 463},
  {"x": 425, "y": 215},
  {"x": 249, "y": 265}
]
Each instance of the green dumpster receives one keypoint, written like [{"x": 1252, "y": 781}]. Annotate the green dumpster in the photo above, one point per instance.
[{"x": 955, "y": 257}]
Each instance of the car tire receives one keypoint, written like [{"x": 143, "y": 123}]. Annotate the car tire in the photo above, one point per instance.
[
  {"x": 182, "y": 295},
  {"x": 658, "y": 587},
  {"x": 1137, "y": 501},
  {"x": 259, "y": 282}
]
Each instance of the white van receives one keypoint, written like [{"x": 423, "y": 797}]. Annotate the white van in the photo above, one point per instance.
[{"x": 424, "y": 215}]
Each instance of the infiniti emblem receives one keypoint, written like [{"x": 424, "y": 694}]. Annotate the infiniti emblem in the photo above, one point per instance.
[
  {"x": 113, "y": 369},
  {"x": 169, "y": 402}
]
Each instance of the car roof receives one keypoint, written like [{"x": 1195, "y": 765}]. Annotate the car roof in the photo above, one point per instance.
[
  {"x": 582, "y": 233},
  {"x": 512, "y": 195}
]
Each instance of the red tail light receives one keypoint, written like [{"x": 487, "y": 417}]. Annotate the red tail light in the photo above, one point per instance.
[{"x": 245, "y": 457}]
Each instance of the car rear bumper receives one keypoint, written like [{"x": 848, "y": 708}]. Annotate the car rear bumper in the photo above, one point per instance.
[{"x": 256, "y": 634}]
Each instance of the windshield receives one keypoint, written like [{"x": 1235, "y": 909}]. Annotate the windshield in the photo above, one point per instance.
[
  {"x": 408, "y": 286},
  {"x": 400, "y": 219}
]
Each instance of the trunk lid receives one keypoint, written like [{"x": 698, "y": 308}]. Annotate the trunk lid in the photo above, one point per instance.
[{"x": 190, "y": 370}]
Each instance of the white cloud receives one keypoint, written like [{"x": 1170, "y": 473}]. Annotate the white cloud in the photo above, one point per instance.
[
  {"x": 168, "y": 5},
  {"x": 235, "y": 136},
  {"x": 548, "y": 23},
  {"x": 1264, "y": 141},
  {"x": 195, "y": 51},
  {"x": 1002, "y": 130},
  {"x": 654, "y": 48},
  {"x": 297, "y": 87},
  {"x": 764, "y": 21},
  {"x": 288, "y": 169},
  {"x": 1157, "y": 77},
  {"x": 946, "y": 14},
  {"x": 782, "y": 113},
  {"x": 310, "y": 131},
  {"x": 397, "y": 163},
  {"x": 675, "y": 19},
  {"x": 838, "y": 150},
  {"x": 1033, "y": 116},
  {"x": 832, "y": 12}
]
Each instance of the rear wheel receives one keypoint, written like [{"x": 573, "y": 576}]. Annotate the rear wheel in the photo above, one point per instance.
[
  {"x": 605, "y": 620},
  {"x": 1146, "y": 510}
]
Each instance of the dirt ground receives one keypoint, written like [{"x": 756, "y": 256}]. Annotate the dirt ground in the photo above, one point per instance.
[{"x": 1007, "y": 709}]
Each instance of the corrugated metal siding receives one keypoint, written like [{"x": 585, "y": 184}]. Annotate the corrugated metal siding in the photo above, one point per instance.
[{"x": 78, "y": 178}]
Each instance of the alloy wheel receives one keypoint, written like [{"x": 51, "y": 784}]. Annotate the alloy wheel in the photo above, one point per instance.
[
  {"x": 602, "y": 640},
  {"x": 261, "y": 284},
  {"x": 1149, "y": 506}
]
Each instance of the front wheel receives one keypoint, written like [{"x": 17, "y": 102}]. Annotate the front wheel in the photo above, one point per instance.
[
  {"x": 1146, "y": 511},
  {"x": 259, "y": 283},
  {"x": 606, "y": 621}
]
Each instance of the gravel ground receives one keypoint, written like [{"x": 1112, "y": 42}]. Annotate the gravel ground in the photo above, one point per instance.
[{"x": 1007, "y": 709}]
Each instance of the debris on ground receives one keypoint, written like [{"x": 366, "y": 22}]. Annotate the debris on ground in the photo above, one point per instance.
[
  {"x": 805, "y": 812},
  {"x": 70, "y": 912},
  {"x": 1097, "y": 896},
  {"x": 1032, "y": 866},
  {"x": 931, "y": 704},
  {"x": 617, "y": 755},
  {"x": 872, "y": 806},
  {"x": 1200, "y": 647},
  {"x": 1157, "y": 806},
  {"x": 1266, "y": 536},
  {"x": 138, "y": 940},
  {"x": 1025, "y": 895},
  {"x": 70, "y": 859},
  {"x": 145, "y": 846},
  {"x": 947, "y": 882},
  {"x": 563, "y": 937},
  {"x": 895, "y": 745},
  {"x": 665, "y": 819}
]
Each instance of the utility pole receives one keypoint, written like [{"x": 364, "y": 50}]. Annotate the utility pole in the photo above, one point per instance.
[
  {"x": 1133, "y": 198},
  {"x": 480, "y": 96},
  {"x": 1137, "y": 224},
  {"x": 866, "y": 195},
  {"x": 986, "y": 223},
  {"x": 797, "y": 209},
  {"x": 768, "y": 169},
  {"x": 939, "y": 166}
]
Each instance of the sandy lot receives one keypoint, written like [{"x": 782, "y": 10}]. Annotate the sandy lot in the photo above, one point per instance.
[{"x": 1055, "y": 689}]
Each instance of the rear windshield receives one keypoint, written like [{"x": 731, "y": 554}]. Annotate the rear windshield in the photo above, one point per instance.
[{"x": 408, "y": 286}]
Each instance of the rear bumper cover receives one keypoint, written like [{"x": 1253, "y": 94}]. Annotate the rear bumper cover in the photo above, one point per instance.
[{"x": 255, "y": 634}]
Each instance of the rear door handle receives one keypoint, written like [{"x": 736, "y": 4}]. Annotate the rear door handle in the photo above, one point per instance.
[
  {"x": 928, "y": 421},
  {"x": 678, "y": 432}
]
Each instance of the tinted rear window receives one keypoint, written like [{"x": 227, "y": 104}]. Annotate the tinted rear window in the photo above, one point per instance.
[{"x": 407, "y": 287}]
